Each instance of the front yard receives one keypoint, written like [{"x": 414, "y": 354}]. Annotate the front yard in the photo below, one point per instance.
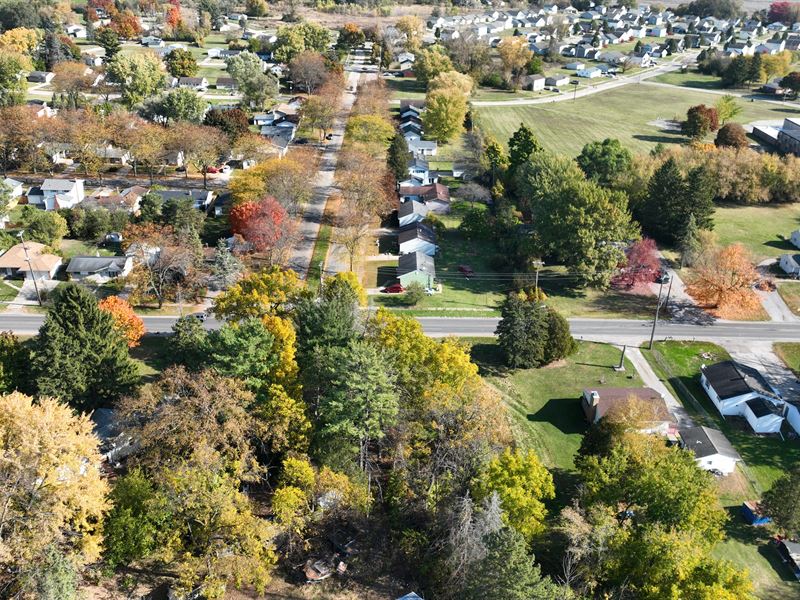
[{"x": 762, "y": 229}]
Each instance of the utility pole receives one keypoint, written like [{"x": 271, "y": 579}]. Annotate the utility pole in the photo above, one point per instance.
[
  {"x": 621, "y": 365},
  {"x": 655, "y": 321},
  {"x": 30, "y": 267},
  {"x": 669, "y": 291},
  {"x": 321, "y": 275},
  {"x": 537, "y": 264}
]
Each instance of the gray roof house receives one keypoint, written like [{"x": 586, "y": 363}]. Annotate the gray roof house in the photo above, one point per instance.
[
  {"x": 99, "y": 268},
  {"x": 411, "y": 212},
  {"x": 711, "y": 448},
  {"x": 416, "y": 267}
]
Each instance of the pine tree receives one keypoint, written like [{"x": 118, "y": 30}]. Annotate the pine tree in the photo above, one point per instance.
[
  {"x": 560, "y": 342},
  {"x": 227, "y": 268},
  {"x": 665, "y": 191},
  {"x": 522, "y": 332},
  {"x": 508, "y": 572},
  {"x": 397, "y": 158},
  {"x": 689, "y": 244},
  {"x": 79, "y": 356},
  {"x": 698, "y": 202}
]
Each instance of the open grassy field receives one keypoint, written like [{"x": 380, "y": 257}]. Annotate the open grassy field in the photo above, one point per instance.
[
  {"x": 760, "y": 228},
  {"x": 626, "y": 113},
  {"x": 678, "y": 363},
  {"x": 544, "y": 403},
  {"x": 789, "y": 353},
  {"x": 690, "y": 79}
]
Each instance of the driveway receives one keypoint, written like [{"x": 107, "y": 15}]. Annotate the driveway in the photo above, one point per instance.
[{"x": 682, "y": 308}]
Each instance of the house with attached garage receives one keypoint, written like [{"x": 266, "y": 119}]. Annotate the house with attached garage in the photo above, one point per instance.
[
  {"x": 416, "y": 267},
  {"x": 57, "y": 193},
  {"x": 648, "y": 404},
  {"x": 790, "y": 263},
  {"x": 712, "y": 450},
  {"x": 738, "y": 390},
  {"x": 411, "y": 212},
  {"x": 417, "y": 238},
  {"x": 99, "y": 269},
  {"x": 435, "y": 196},
  {"x": 14, "y": 262}
]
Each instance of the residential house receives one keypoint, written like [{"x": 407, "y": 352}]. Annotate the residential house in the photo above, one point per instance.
[
  {"x": 770, "y": 47},
  {"x": 152, "y": 41},
  {"x": 411, "y": 212},
  {"x": 590, "y": 73},
  {"x": 642, "y": 62},
  {"x": 657, "y": 31},
  {"x": 534, "y": 83},
  {"x": 15, "y": 189},
  {"x": 76, "y": 31},
  {"x": 790, "y": 263},
  {"x": 406, "y": 57},
  {"x": 574, "y": 66},
  {"x": 201, "y": 199},
  {"x": 57, "y": 193},
  {"x": 14, "y": 262},
  {"x": 556, "y": 80},
  {"x": 41, "y": 110},
  {"x": 599, "y": 402},
  {"x": 99, "y": 269},
  {"x": 199, "y": 84},
  {"x": 795, "y": 238},
  {"x": 419, "y": 173},
  {"x": 712, "y": 450},
  {"x": 738, "y": 390},
  {"x": 416, "y": 267},
  {"x": 435, "y": 196},
  {"x": 417, "y": 238},
  {"x": 113, "y": 155},
  {"x": 40, "y": 77},
  {"x": 422, "y": 148},
  {"x": 410, "y": 596},
  {"x": 741, "y": 48},
  {"x": 226, "y": 83},
  {"x": 789, "y": 136},
  {"x": 128, "y": 199}
]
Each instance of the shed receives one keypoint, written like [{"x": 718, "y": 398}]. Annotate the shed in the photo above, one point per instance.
[{"x": 411, "y": 212}]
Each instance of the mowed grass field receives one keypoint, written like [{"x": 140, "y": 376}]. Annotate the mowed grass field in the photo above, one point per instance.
[
  {"x": 760, "y": 228},
  {"x": 626, "y": 113}
]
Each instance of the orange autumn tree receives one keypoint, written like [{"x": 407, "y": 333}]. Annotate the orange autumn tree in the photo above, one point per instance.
[
  {"x": 126, "y": 321},
  {"x": 723, "y": 280}
]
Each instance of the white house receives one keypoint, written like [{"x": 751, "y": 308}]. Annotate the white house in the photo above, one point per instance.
[
  {"x": 422, "y": 147},
  {"x": 739, "y": 390},
  {"x": 790, "y": 263},
  {"x": 417, "y": 238},
  {"x": 411, "y": 212},
  {"x": 574, "y": 66},
  {"x": 712, "y": 450},
  {"x": 193, "y": 83},
  {"x": 57, "y": 193},
  {"x": 599, "y": 402},
  {"x": 76, "y": 31},
  {"x": 556, "y": 80},
  {"x": 795, "y": 238},
  {"x": 534, "y": 83},
  {"x": 14, "y": 186},
  {"x": 99, "y": 269},
  {"x": 590, "y": 73}
]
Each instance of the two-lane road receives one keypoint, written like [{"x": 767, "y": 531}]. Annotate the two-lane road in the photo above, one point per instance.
[{"x": 624, "y": 331}]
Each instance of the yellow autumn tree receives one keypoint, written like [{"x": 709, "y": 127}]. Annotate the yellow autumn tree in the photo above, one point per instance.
[{"x": 51, "y": 490}]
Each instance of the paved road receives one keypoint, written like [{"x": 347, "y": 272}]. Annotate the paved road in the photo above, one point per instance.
[{"x": 615, "y": 331}]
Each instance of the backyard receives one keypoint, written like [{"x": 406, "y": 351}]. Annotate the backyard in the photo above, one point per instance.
[
  {"x": 760, "y": 228},
  {"x": 629, "y": 113}
]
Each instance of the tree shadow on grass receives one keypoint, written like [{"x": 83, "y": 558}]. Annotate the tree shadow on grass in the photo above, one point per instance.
[
  {"x": 661, "y": 139},
  {"x": 564, "y": 414},
  {"x": 634, "y": 305},
  {"x": 780, "y": 245},
  {"x": 489, "y": 358},
  {"x": 566, "y": 483},
  {"x": 386, "y": 276}
]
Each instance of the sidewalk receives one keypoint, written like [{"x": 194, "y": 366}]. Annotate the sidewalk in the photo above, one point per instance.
[{"x": 650, "y": 379}]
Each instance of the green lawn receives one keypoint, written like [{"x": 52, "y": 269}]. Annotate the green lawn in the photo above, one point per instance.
[
  {"x": 71, "y": 248},
  {"x": 151, "y": 356},
  {"x": 765, "y": 458},
  {"x": 7, "y": 293},
  {"x": 690, "y": 79},
  {"x": 406, "y": 88},
  {"x": 760, "y": 228},
  {"x": 626, "y": 113},
  {"x": 789, "y": 353},
  {"x": 790, "y": 292},
  {"x": 319, "y": 256},
  {"x": 544, "y": 404}
]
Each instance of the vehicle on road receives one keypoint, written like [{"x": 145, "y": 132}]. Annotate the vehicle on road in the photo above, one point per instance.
[
  {"x": 466, "y": 270},
  {"x": 329, "y": 137},
  {"x": 395, "y": 288},
  {"x": 663, "y": 277},
  {"x": 200, "y": 316}
]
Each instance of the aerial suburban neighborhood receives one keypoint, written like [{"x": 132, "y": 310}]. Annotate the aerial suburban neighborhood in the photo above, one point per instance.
[{"x": 479, "y": 300}]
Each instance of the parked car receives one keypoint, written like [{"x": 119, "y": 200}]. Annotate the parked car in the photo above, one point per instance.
[
  {"x": 200, "y": 316},
  {"x": 466, "y": 270},
  {"x": 225, "y": 170},
  {"x": 212, "y": 170},
  {"x": 663, "y": 277},
  {"x": 395, "y": 288},
  {"x": 301, "y": 141},
  {"x": 329, "y": 137}
]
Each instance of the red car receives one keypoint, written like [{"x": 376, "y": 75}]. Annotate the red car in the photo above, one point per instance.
[
  {"x": 395, "y": 288},
  {"x": 212, "y": 170},
  {"x": 466, "y": 270}
]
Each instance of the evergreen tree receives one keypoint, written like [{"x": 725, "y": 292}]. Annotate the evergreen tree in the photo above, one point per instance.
[
  {"x": 324, "y": 322},
  {"x": 107, "y": 39},
  {"x": 508, "y": 572},
  {"x": 397, "y": 158},
  {"x": 689, "y": 244},
  {"x": 150, "y": 207},
  {"x": 665, "y": 192},
  {"x": 522, "y": 331},
  {"x": 54, "y": 51},
  {"x": 227, "y": 268},
  {"x": 80, "y": 357},
  {"x": 14, "y": 364},
  {"x": 188, "y": 344},
  {"x": 698, "y": 202},
  {"x": 521, "y": 146},
  {"x": 560, "y": 342}
]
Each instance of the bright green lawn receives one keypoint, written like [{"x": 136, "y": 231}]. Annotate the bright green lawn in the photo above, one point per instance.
[
  {"x": 7, "y": 293},
  {"x": 789, "y": 353},
  {"x": 759, "y": 228},
  {"x": 71, "y": 248},
  {"x": 623, "y": 113},
  {"x": 406, "y": 88},
  {"x": 544, "y": 403}
]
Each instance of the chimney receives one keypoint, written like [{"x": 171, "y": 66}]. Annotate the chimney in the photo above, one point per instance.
[{"x": 595, "y": 398}]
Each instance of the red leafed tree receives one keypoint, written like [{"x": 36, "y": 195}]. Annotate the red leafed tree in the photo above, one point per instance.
[
  {"x": 174, "y": 15},
  {"x": 127, "y": 322},
  {"x": 784, "y": 12},
  {"x": 126, "y": 24},
  {"x": 641, "y": 265},
  {"x": 261, "y": 223}
]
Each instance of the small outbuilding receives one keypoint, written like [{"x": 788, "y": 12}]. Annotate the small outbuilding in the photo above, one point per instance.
[{"x": 712, "y": 450}]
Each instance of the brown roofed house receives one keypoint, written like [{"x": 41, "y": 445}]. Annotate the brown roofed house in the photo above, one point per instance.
[
  {"x": 42, "y": 265},
  {"x": 644, "y": 403}
]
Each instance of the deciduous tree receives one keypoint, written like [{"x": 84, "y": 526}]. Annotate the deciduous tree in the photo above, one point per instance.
[
  {"x": 256, "y": 86},
  {"x": 139, "y": 76},
  {"x": 181, "y": 63},
  {"x": 700, "y": 121},
  {"x": 604, "y": 162},
  {"x": 723, "y": 279},
  {"x": 370, "y": 129},
  {"x": 727, "y": 108},
  {"x": 308, "y": 70},
  {"x": 731, "y": 135},
  {"x": 12, "y": 86},
  {"x": 176, "y": 105},
  {"x": 522, "y": 145},
  {"x": 515, "y": 55},
  {"x": 430, "y": 62},
  {"x": 641, "y": 266},
  {"x": 127, "y": 322},
  {"x": 445, "y": 111},
  {"x": 782, "y": 502}
]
